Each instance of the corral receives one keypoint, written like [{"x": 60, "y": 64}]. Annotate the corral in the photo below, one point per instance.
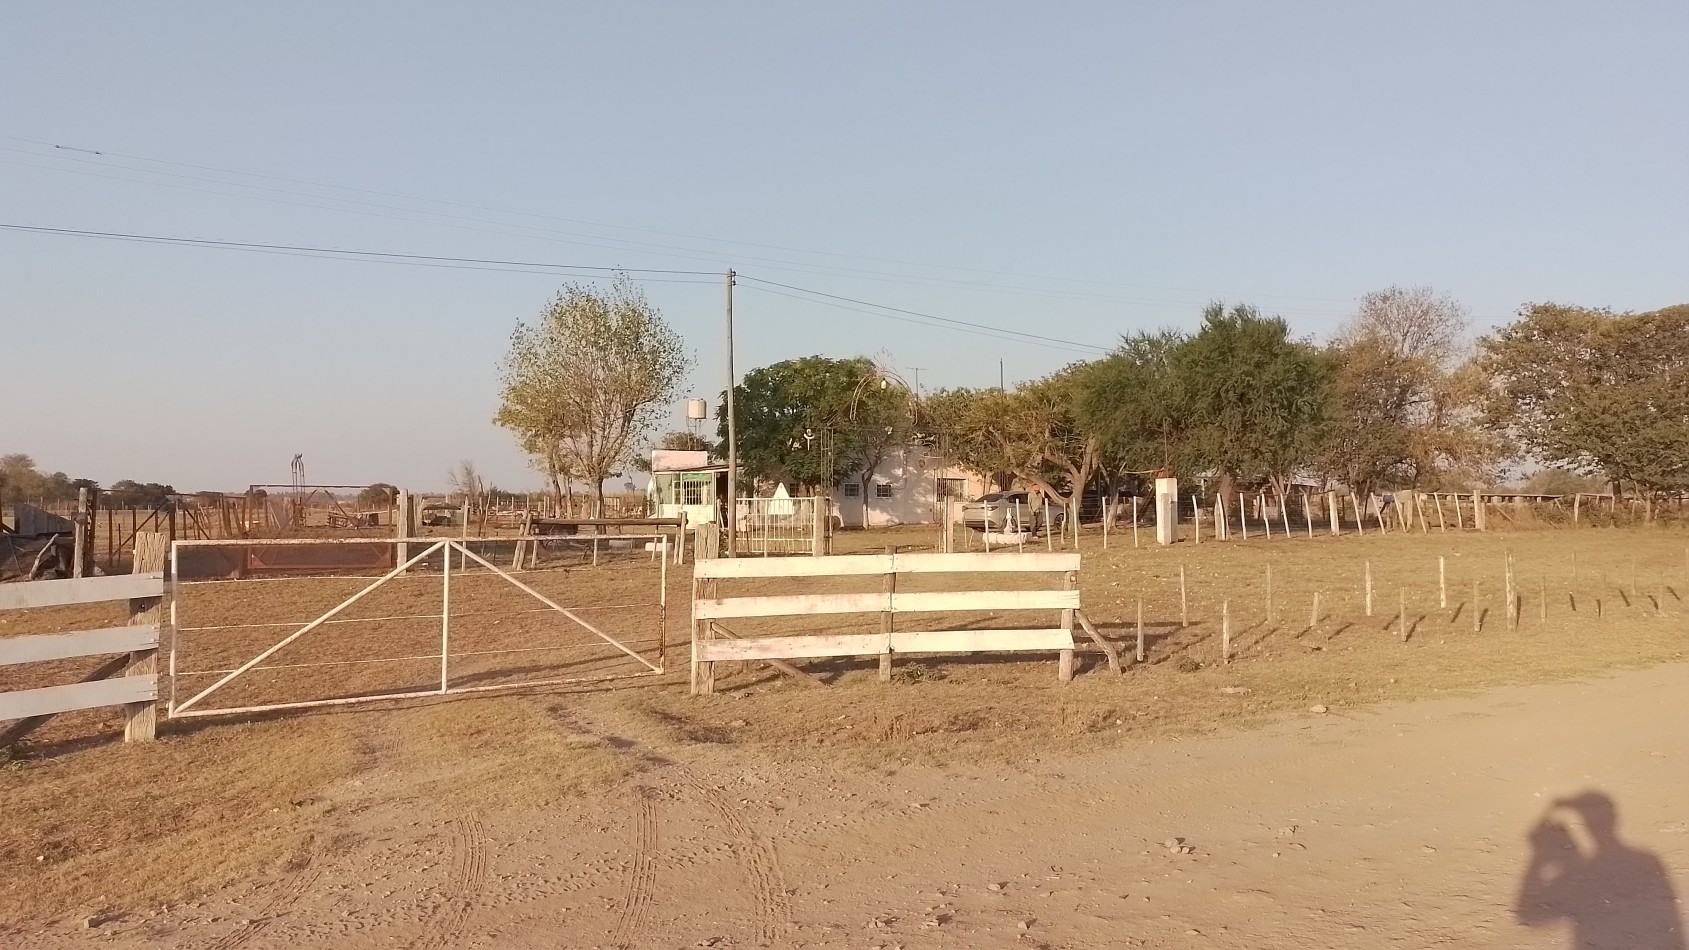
[{"x": 252, "y": 792}]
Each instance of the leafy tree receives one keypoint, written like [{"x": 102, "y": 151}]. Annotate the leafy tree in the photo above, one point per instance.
[
  {"x": 378, "y": 495},
  {"x": 1257, "y": 400},
  {"x": 789, "y": 412},
  {"x": 582, "y": 386},
  {"x": 1032, "y": 432},
  {"x": 1405, "y": 397},
  {"x": 1130, "y": 400},
  {"x": 1596, "y": 392},
  {"x": 20, "y": 480},
  {"x": 135, "y": 494}
]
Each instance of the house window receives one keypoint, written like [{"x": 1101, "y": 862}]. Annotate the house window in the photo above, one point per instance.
[
  {"x": 852, "y": 490},
  {"x": 882, "y": 490},
  {"x": 694, "y": 487},
  {"x": 952, "y": 489}
]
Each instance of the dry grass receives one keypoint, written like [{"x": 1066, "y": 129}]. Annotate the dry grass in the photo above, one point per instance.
[{"x": 95, "y": 825}]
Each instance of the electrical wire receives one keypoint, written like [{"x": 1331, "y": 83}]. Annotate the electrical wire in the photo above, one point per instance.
[
  {"x": 389, "y": 257},
  {"x": 1018, "y": 336}
]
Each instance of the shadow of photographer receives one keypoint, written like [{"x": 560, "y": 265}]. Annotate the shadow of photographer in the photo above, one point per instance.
[{"x": 1613, "y": 895}]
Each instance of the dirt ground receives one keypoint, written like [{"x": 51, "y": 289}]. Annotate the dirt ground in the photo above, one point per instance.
[{"x": 968, "y": 803}]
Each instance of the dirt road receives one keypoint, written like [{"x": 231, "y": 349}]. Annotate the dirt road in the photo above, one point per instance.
[{"x": 1405, "y": 826}]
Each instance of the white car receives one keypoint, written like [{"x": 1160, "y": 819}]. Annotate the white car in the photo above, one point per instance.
[{"x": 1014, "y": 511}]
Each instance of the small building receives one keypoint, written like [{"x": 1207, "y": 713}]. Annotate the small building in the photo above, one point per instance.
[
  {"x": 910, "y": 486},
  {"x": 686, "y": 483}
]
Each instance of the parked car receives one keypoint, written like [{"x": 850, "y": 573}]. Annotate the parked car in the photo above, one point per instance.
[{"x": 1009, "y": 511}]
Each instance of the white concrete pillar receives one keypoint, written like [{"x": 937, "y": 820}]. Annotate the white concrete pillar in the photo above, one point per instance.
[{"x": 1166, "y": 510}]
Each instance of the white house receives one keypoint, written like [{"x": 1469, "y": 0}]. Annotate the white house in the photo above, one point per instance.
[{"x": 908, "y": 487}]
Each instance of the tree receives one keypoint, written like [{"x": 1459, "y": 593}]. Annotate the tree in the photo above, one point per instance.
[
  {"x": 20, "y": 480},
  {"x": 378, "y": 495},
  {"x": 1257, "y": 400},
  {"x": 1405, "y": 399},
  {"x": 135, "y": 494},
  {"x": 816, "y": 419},
  {"x": 1596, "y": 392},
  {"x": 1032, "y": 433},
  {"x": 1130, "y": 401},
  {"x": 465, "y": 480},
  {"x": 582, "y": 386}
]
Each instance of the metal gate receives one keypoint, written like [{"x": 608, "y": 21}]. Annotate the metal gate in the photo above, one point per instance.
[
  {"x": 418, "y": 571},
  {"x": 779, "y": 525}
]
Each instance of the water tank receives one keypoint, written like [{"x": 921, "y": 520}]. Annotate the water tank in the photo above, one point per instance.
[{"x": 696, "y": 410}]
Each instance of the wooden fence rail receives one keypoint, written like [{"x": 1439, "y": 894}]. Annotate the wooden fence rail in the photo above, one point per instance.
[
  {"x": 713, "y": 642},
  {"x": 136, "y": 646}
]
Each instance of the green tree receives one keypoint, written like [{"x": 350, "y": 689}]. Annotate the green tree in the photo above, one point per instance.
[
  {"x": 1596, "y": 392},
  {"x": 582, "y": 386},
  {"x": 133, "y": 494},
  {"x": 817, "y": 420},
  {"x": 378, "y": 495},
  {"x": 1257, "y": 400},
  {"x": 1130, "y": 400}
]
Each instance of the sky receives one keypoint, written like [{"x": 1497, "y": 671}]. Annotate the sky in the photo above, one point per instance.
[{"x": 1059, "y": 174}]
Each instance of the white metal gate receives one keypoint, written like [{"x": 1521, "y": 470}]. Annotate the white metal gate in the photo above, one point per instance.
[
  {"x": 445, "y": 552},
  {"x": 778, "y": 525}
]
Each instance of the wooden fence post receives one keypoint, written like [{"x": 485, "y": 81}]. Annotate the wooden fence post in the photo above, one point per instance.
[
  {"x": 1225, "y": 631},
  {"x": 1332, "y": 514},
  {"x": 1442, "y": 584},
  {"x": 140, "y": 720},
  {"x": 1184, "y": 605},
  {"x": 1140, "y": 629},
  {"x": 1369, "y": 588},
  {"x": 1064, "y": 666},
  {"x": 888, "y": 585}
]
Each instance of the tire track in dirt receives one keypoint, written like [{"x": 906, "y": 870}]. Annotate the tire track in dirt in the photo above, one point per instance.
[
  {"x": 760, "y": 864},
  {"x": 467, "y": 879},
  {"x": 643, "y": 872},
  {"x": 297, "y": 885}
]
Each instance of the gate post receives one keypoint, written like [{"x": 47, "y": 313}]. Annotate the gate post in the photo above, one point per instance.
[{"x": 1166, "y": 510}]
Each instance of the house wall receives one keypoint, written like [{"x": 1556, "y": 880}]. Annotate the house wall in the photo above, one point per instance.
[{"x": 911, "y": 476}]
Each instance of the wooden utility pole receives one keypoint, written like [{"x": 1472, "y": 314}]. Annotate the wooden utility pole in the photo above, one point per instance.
[{"x": 733, "y": 437}]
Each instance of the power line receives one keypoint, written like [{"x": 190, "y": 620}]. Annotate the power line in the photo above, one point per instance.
[
  {"x": 1018, "y": 335},
  {"x": 298, "y": 249},
  {"x": 105, "y": 155}
]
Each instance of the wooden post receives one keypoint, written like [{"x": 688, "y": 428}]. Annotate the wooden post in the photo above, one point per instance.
[
  {"x": 1480, "y": 519},
  {"x": 1049, "y": 540},
  {"x": 1314, "y": 615},
  {"x": 1437, "y": 498},
  {"x": 818, "y": 539},
  {"x": 1243, "y": 516},
  {"x": 1196, "y": 519},
  {"x": 1332, "y": 514},
  {"x": 1225, "y": 631},
  {"x": 1512, "y": 612},
  {"x": 1378, "y": 512},
  {"x": 81, "y": 535},
  {"x": 1266, "y": 519},
  {"x": 1419, "y": 513},
  {"x": 1442, "y": 584},
  {"x": 1477, "y": 615},
  {"x": 1184, "y": 605},
  {"x": 1308, "y": 514},
  {"x": 1105, "y": 524},
  {"x": 1284, "y": 513},
  {"x": 1064, "y": 665},
  {"x": 1401, "y": 614},
  {"x": 1134, "y": 521},
  {"x": 1360, "y": 524},
  {"x": 888, "y": 585},
  {"x": 1369, "y": 588},
  {"x": 1457, "y": 520},
  {"x": 1577, "y": 503},
  {"x": 140, "y": 720},
  {"x": 1140, "y": 629},
  {"x": 1222, "y": 527}
]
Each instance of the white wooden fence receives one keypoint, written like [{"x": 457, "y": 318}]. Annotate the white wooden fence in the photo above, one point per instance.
[
  {"x": 712, "y": 641},
  {"x": 136, "y": 691}
]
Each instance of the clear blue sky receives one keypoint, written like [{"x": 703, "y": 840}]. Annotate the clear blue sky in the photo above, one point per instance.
[{"x": 1073, "y": 170}]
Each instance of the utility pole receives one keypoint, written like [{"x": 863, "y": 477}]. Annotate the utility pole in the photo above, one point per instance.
[
  {"x": 1000, "y": 377},
  {"x": 917, "y": 370},
  {"x": 732, "y": 436}
]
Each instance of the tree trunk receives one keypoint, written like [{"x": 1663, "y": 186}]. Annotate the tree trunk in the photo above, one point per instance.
[{"x": 598, "y": 498}]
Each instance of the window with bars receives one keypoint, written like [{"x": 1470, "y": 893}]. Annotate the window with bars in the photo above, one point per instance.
[
  {"x": 882, "y": 490},
  {"x": 851, "y": 490},
  {"x": 952, "y": 489}
]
